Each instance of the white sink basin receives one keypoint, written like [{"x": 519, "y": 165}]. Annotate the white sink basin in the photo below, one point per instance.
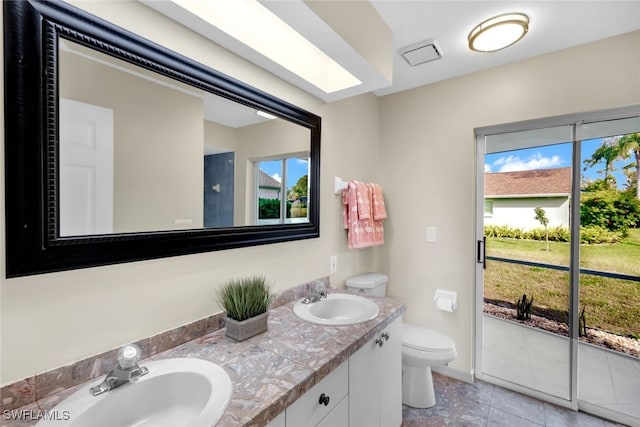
[
  {"x": 337, "y": 309},
  {"x": 175, "y": 392}
]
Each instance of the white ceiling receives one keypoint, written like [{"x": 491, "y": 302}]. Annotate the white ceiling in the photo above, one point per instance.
[{"x": 554, "y": 25}]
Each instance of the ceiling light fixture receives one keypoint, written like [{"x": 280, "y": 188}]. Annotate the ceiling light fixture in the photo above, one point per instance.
[
  {"x": 498, "y": 32},
  {"x": 266, "y": 115},
  {"x": 254, "y": 25}
]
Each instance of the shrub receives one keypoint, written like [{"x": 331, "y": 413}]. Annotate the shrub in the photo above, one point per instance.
[
  {"x": 559, "y": 234},
  {"x": 588, "y": 235},
  {"x": 268, "y": 208},
  {"x": 535, "y": 234},
  {"x": 504, "y": 231},
  {"x": 628, "y": 208},
  {"x": 597, "y": 234},
  {"x": 613, "y": 210},
  {"x": 524, "y": 308}
]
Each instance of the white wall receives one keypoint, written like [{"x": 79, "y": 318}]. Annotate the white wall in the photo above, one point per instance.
[
  {"x": 51, "y": 320},
  {"x": 519, "y": 213},
  {"x": 428, "y": 171}
]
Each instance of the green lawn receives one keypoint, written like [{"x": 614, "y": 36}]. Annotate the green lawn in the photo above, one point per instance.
[
  {"x": 619, "y": 258},
  {"x": 611, "y": 305}
]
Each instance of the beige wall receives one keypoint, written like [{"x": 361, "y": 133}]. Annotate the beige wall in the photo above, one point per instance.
[
  {"x": 220, "y": 137},
  {"x": 54, "y": 319},
  {"x": 158, "y": 144},
  {"x": 425, "y": 140},
  {"x": 429, "y": 165}
]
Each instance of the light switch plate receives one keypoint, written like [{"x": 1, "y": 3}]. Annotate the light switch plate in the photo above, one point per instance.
[
  {"x": 431, "y": 234},
  {"x": 333, "y": 264}
]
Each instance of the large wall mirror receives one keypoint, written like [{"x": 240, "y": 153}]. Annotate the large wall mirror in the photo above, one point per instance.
[{"x": 117, "y": 149}]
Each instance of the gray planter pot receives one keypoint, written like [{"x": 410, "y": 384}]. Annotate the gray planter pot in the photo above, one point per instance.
[{"x": 246, "y": 329}]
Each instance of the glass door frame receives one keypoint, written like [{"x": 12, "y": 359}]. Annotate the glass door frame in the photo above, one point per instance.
[{"x": 576, "y": 121}]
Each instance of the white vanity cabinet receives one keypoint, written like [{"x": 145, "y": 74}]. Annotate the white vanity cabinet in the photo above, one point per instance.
[
  {"x": 364, "y": 391},
  {"x": 278, "y": 421},
  {"x": 325, "y": 404},
  {"x": 375, "y": 380}
]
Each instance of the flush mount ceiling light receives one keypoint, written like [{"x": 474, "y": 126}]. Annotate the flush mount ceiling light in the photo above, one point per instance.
[{"x": 498, "y": 32}]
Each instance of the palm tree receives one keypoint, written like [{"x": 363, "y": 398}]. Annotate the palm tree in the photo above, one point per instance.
[
  {"x": 626, "y": 146},
  {"x": 607, "y": 153}
]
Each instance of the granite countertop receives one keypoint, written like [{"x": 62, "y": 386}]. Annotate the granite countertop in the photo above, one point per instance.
[{"x": 271, "y": 370}]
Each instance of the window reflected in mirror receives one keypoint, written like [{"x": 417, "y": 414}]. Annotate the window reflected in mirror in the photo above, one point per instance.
[{"x": 282, "y": 190}]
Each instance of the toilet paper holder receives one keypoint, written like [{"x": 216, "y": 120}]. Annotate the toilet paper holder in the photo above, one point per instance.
[{"x": 446, "y": 300}]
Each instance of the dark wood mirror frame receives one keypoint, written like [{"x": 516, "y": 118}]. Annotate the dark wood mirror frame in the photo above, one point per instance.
[{"x": 32, "y": 29}]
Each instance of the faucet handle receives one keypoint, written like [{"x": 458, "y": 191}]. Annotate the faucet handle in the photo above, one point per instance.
[
  {"x": 128, "y": 356},
  {"x": 320, "y": 287},
  {"x": 136, "y": 373}
]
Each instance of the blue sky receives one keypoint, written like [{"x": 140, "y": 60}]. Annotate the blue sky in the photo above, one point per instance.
[
  {"x": 552, "y": 156},
  {"x": 297, "y": 168}
]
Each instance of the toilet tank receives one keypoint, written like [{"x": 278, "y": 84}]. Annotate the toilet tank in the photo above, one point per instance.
[{"x": 369, "y": 283}]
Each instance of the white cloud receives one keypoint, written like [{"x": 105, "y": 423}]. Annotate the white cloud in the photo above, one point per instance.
[
  {"x": 514, "y": 163},
  {"x": 277, "y": 177},
  {"x": 487, "y": 168}
]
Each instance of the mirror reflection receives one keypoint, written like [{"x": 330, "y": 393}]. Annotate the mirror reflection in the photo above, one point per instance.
[{"x": 140, "y": 152}]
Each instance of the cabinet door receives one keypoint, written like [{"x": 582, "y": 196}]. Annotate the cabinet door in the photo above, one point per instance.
[
  {"x": 278, "y": 421},
  {"x": 390, "y": 377},
  {"x": 363, "y": 387},
  {"x": 375, "y": 381},
  {"x": 308, "y": 410},
  {"x": 338, "y": 417}
]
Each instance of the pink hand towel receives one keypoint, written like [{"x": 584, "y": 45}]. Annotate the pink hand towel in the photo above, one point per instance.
[
  {"x": 360, "y": 231},
  {"x": 363, "y": 195},
  {"x": 379, "y": 211}
]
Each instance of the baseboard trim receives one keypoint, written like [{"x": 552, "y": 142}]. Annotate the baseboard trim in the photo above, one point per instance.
[
  {"x": 608, "y": 414},
  {"x": 459, "y": 375}
]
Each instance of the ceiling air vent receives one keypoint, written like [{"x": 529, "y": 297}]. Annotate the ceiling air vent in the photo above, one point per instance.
[{"x": 421, "y": 52}]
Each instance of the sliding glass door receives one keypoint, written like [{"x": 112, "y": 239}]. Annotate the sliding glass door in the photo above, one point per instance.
[
  {"x": 558, "y": 278},
  {"x": 609, "y": 312},
  {"x": 526, "y": 294}
]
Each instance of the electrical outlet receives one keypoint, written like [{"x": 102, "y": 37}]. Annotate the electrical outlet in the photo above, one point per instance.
[{"x": 333, "y": 264}]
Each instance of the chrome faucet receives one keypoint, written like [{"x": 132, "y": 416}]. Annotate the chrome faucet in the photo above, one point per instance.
[
  {"x": 126, "y": 371},
  {"x": 319, "y": 292}
]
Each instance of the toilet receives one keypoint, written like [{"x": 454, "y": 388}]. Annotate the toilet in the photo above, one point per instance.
[{"x": 422, "y": 348}]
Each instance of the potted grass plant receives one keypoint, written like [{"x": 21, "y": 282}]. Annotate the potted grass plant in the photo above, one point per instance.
[{"x": 246, "y": 304}]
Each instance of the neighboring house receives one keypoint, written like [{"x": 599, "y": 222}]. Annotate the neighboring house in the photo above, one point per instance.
[
  {"x": 511, "y": 197},
  {"x": 268, "y": 187}
]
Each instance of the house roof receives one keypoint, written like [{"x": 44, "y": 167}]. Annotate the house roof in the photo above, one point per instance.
[
  {"x": 267, "y": 181},
  {"x": 542, "y": 182}
]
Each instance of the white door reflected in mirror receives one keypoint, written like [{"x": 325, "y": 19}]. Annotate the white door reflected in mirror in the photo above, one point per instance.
[{"x": 86, "y": 169}]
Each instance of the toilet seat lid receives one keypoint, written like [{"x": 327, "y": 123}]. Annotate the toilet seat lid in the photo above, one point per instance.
[{"x": 421, "y": 338}]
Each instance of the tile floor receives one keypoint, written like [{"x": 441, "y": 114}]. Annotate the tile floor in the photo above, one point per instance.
[
  {"x": 540, "y": 360},
  {"x": 483, "y": 404}
]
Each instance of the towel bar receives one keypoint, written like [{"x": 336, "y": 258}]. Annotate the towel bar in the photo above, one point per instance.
[{"x": 339, "y": 185}]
